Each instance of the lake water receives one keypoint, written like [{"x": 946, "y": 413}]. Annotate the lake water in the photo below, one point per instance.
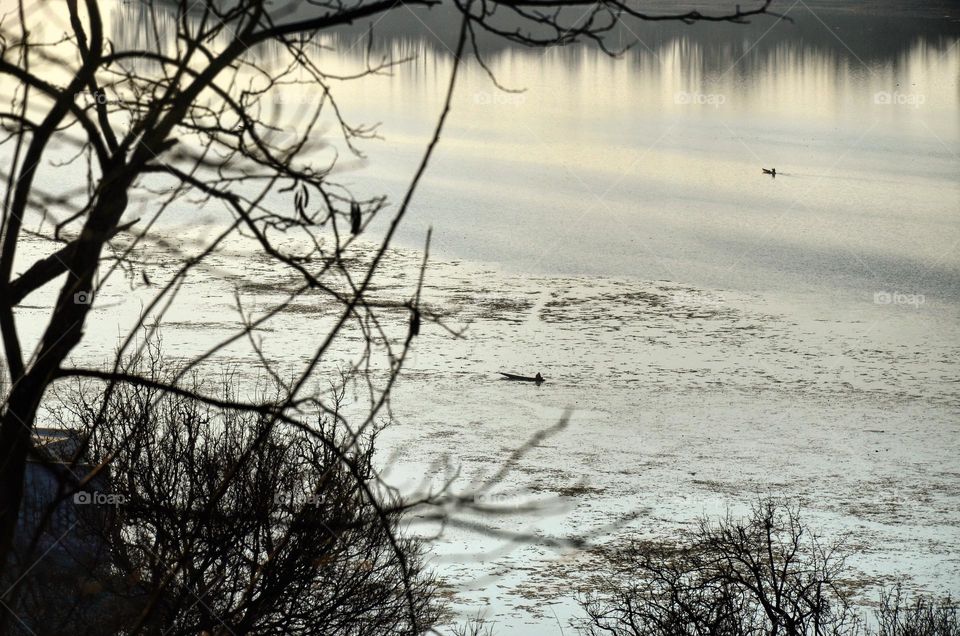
[
  {"x": 716, "y": 333},
  {"x": 649, "y": 166}
]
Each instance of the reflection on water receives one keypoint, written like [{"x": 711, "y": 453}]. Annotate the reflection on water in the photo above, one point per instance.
[
  {"x": 819, "y": 63},
  {"x": 649, "y": 166},
  {"x": 872, "y": 34}
]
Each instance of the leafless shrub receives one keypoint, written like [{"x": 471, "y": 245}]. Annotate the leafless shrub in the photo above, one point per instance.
[
  {"x": 920, "y": 616},
  {"x": 765, "y": 574},
  {"x": 475, "y": 626},
  {"x": 280, "y": 538}
]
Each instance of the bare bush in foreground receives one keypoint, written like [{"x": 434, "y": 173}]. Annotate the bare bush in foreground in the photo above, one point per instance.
[
  {"x": 766, "y": 574},
  {"x": 919, "y": 616},
  {"x": 280, "y": 537}
]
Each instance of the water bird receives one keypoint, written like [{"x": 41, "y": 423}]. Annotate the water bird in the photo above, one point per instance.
[
  {"x": 770, "y": 171},
  {"x": 537, "y": 379}
]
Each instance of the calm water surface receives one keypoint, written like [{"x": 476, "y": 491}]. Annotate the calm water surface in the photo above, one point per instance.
[{"x": 649, "y": 166}]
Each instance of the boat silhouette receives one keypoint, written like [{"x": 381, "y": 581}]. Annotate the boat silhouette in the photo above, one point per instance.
[{"x": 538, "y": 379}]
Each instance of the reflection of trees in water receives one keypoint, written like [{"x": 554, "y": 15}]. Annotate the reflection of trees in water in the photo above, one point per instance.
[
  {"x": 136, "y": 25},
  {"x": 829, "y": 37}
]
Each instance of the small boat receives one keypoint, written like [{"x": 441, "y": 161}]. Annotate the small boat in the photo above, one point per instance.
[
  {"x": 770, "y": 171},
  {"x": 522, "y": 378}
]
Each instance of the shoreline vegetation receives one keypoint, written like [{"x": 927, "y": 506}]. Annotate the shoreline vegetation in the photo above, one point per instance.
[{"x": 767, "y": 573}]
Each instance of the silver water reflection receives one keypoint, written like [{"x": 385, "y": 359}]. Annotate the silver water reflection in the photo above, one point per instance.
[{"x": 649, "y": 166}]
